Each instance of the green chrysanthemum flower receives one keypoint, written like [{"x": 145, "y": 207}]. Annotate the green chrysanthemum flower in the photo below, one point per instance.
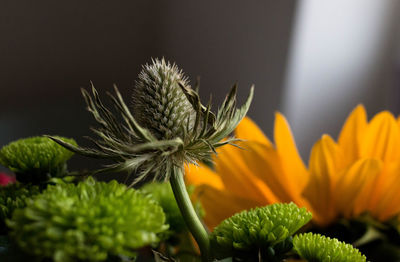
[
  {"x": 36, "y": 159},
  {"x": 318, "y": 248},
  {"x": 169, "y": 126},
  {"x": 89, "y": 221},
  {"x": 162, "y": 193},
  {"x": 263, "y": 231},
  {"x": 12, "y": 197}
]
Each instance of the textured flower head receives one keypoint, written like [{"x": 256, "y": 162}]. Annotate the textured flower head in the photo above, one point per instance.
[
  {"x": 168, "y": 128},
  {"x": 264, "y": 230},
  {"x": 90, "y": 221},
  {"x": 317, "y": 248},
  {"x": 36, "y": 159}
]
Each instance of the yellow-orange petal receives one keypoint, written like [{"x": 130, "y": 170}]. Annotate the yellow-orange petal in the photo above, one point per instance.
[
  {"x": 292, "y": 163},
  {"x": 220, "y": 205},
  {"x": 322, "y": 164},
  {"x": 388, "y": 204},
  {"x": 350, "y": 183},
  {"x": 238, "y": 174},
  {"x": 351, "y": 135},
  {"x": 381, "y": 139},
  {"x": 202, "y": 175},
  {"x": 248, "y": 130},
  {"x": 266, "y": 165}
]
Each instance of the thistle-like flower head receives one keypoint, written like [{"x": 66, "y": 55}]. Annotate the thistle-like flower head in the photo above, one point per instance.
[{"x": 168, "y": 127}]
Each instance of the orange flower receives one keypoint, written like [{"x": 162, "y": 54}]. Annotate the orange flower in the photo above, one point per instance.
[
  {"x": 257, "y": 175},
  {"x": 360, "y": 173}
]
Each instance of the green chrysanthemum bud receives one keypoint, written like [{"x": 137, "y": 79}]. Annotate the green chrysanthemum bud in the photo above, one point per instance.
[
  {"x": 89, "y": 221},
  {"x": 317, "y": 248},
  {"x": 264, "y": 230},
  {"x": 162, "y": 193},
  {"x": 159, "y": 103},
  {"x": 36, "y": 159},
  {"x": 12, "y": 197}
]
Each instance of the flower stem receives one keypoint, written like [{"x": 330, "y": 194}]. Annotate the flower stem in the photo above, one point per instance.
[{"x": 189, "y": 215}]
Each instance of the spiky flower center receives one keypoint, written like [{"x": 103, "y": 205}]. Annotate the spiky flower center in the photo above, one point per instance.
[{"x": 159, "y": 103}]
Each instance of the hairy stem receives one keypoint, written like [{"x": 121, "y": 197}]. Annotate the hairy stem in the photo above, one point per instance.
[{"x": 189, "y": 215}]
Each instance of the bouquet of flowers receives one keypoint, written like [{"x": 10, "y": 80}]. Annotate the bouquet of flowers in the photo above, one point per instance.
[{"x": 200, "y": 185}]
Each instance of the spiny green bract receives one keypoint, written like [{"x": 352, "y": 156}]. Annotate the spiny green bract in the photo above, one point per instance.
[
  {"x": 35, "y": 158},
  {"x": 162, "y": 193},
  {"x": 89, "y": 221},
  {"x": 13, "y": 197},
  {"x": 257, "y": 229},
  {"x": 317, "y": 248}
]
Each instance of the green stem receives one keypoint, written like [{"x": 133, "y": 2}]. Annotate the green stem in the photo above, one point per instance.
[{"x": 189, "y": 215}]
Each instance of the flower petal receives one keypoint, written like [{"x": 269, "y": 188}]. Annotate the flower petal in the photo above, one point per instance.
[
  {"x": 388, "y": 205},
  {"x": 237, "y": 172},
  {"x": 323, "y": 168},
  {"x": 199, "y": 175},
  {"x": 348, "y": 192},
  {"x": 248, "y": 130},
  {"x": 220, "y": 205},
  {"x": 266, "y": 165},
  {"x": 381, "y": 138},
  {"x": 287, "y": 150},
  {"x": 351, "y": 134}
]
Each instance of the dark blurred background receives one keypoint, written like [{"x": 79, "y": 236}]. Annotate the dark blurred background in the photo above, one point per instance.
[{"x": 312, "y": 60}]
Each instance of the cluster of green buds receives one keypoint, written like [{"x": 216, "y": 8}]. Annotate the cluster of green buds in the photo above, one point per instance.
[
  {"x": 35, "y": 160},
  {"x": 90, "y": 221}
]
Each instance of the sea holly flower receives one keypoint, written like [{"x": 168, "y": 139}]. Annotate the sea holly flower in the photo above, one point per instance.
[
  {"x": 36, "y": 159},
  {"x": 317, "y": 248},
  {"x": 262, "y": 233},
  {"x": 263, "y": 173},
  {"x": 169, "y": 128},
  {"x": 91, "y": 221}
]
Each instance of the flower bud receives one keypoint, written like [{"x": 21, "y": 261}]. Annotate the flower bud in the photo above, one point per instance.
[{"x": 159, "y": 104}]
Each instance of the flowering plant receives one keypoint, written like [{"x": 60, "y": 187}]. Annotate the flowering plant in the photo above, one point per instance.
[{"x": 66, "y": 219}]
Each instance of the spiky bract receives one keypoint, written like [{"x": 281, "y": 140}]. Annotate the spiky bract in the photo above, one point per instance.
[
  {"x": 36, "y": 159},
  {"x": 87, "y": 222},
  {"x": 260, "y": 230},
  {"x": 170, "y": 127},
  {"x": 318, "y": 248}
]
